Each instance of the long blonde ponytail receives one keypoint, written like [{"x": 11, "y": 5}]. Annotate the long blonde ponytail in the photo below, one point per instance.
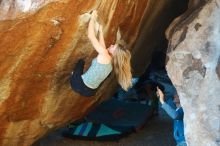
[{"x": 122, "y": 67}]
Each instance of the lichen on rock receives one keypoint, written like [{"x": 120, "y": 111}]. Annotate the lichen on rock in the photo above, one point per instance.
[{"x": 193, "y": 68}]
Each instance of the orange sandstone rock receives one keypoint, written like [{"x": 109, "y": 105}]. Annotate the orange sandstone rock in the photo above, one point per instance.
[{"x": 38, "y": 49}]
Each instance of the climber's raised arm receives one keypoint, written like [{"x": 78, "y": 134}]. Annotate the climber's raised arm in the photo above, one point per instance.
[
  {"x": 92, "y": 37},
  {"x": 101, "y": 37}
]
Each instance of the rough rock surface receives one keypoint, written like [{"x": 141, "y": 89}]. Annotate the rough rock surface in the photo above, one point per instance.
[
  {"x": 194, "y": 56},
  {"x": 38, "y": 52},
  {"x": 40, "y": 43},
  {"x": 42, "y": 39}
]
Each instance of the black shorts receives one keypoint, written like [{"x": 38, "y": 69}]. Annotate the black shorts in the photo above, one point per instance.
[{"x": 77, "y": 83}]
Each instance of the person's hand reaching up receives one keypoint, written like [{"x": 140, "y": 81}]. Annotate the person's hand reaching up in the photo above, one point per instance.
[{"x": 160, "y": 95}]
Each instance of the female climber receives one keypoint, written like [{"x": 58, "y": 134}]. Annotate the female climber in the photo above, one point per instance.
[{"x": 115, "y": 57}]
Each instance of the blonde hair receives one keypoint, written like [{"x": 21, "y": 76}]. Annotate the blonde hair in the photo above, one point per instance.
[{"x": 122, "y": 67}]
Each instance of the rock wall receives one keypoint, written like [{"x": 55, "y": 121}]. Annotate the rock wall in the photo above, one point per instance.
[
  {"x": 11, "y": 9},
  {"x": 41, "y": 40},
  {"x": 194, "y": 54},
  {"x": 151, "y": 38},
  {"x": 40, "y": 43}
]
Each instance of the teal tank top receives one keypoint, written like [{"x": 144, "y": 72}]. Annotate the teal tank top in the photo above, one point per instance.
[{"x": 96, "y": 73}]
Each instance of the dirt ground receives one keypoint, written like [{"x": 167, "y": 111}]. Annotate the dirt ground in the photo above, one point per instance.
[{"x": 157, "y": 132}]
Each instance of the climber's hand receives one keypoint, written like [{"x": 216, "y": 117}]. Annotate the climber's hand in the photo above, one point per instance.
[{"x": 94, "y": 14}]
